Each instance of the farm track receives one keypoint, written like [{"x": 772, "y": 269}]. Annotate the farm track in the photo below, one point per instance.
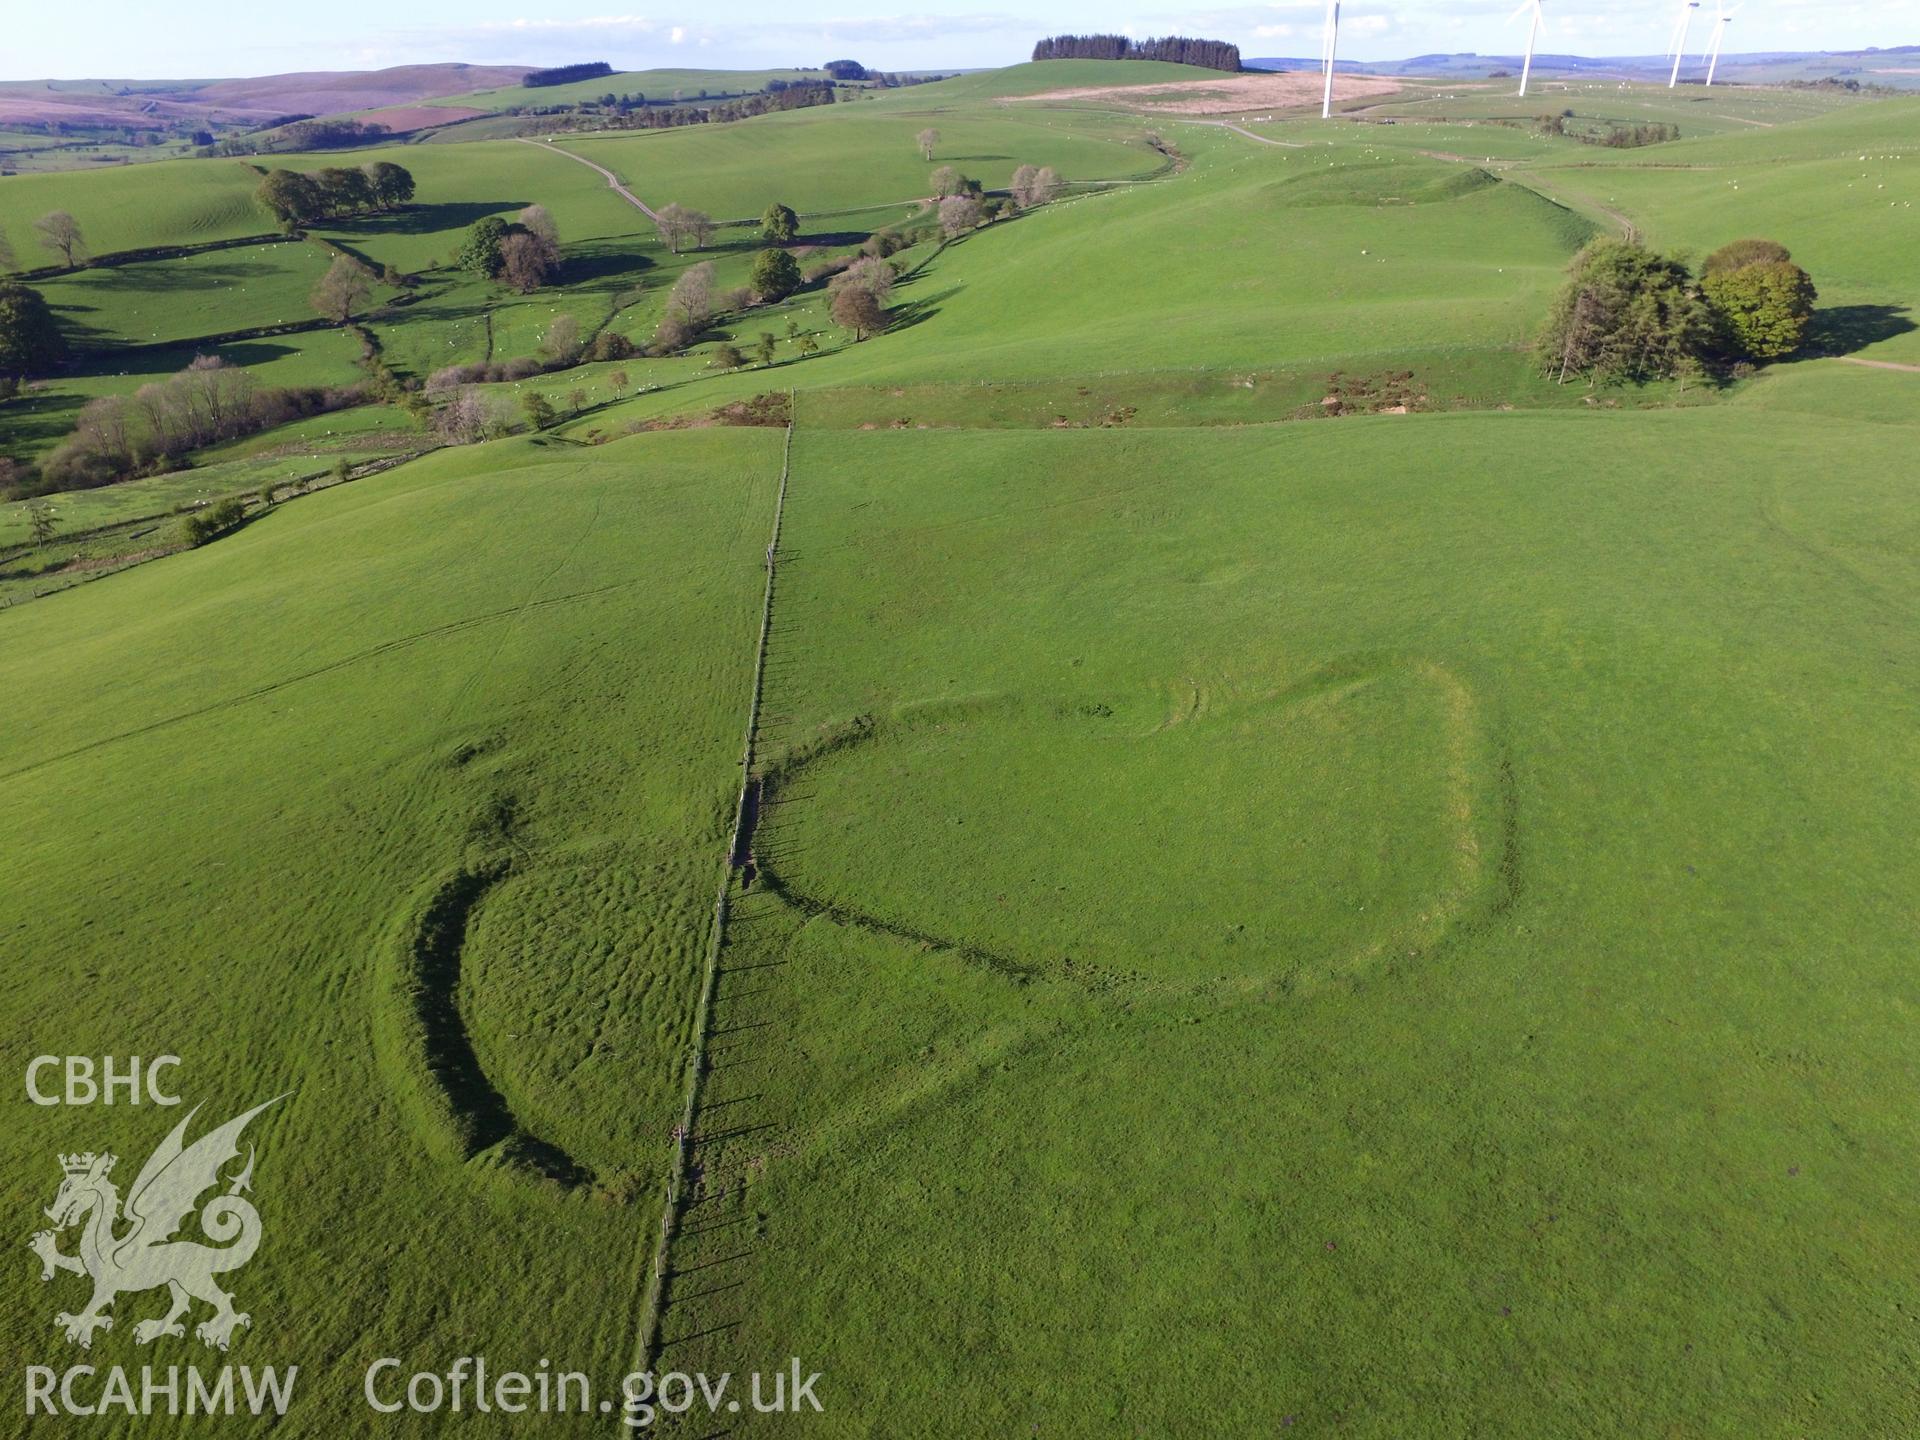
[
  {"x": 1878, "y": 364},
  {"x": 1575, "y": 200},
  {"x": 1263, "y": 139},
  {"x": 739, "y": 848},
  {"x": 614, "y": 183}
]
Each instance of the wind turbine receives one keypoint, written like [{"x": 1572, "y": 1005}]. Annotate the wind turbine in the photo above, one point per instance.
[
  {"x": 1678, "y": 45},
  {"x": 1533, "y": 34},
  {"x": 1720, "y": 21},
  {"x": 1329, "y": 40}
]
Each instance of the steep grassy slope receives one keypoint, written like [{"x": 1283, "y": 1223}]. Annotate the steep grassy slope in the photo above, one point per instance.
[
  {"x": 259, "y": 793},
  {"x": 173, "y": 202}
]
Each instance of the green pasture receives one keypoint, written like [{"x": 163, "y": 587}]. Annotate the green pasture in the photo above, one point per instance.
[
  {"x": 823, "y": 161},
  {"x": 1697, "y": 109},
  {"x": 1264, "y": 915},
  {"x": 1307, "y": 258},
  {"x": 133, "y": 207},
  {"x": 44, "y": 414},
  {"x": 164, "y": 302},
  {"x": 457, "y": 185},
  {"x": 524, "y": 662},
  {"x": 1310, "y": 924}
]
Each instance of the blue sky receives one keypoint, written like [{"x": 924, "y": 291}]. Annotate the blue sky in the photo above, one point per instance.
[{"x": 204, "y": 38}]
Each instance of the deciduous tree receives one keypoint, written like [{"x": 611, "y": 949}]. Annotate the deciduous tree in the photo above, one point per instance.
[
  {"x": 779, "y": 225},
  {"x": 682, "y": 229},
  {"x": 347, "y": 191},
  {"x": 525, "y": 263},
  {"x": 60, "y": 233},
  {"x": 959, "y": 214},
  {"x": 30, "y": 339},
  {"x": 292, "y": 197},
  {"x": 342, "y": 290},
  {"x": 858, "y": 310},
  {"x": 692, "y": 293},
  {"x": 927, "y": 139},
  {"x": 561, "y": 344},
  {"x": 1744, "y": 252},
  {"x": 775, "y": 275},
  {"x": 538, "y": 222},
  {"x": 480, "y": 251},
  {"x": 392, "y": 184},
  {"x": 1763, "y": 308}
]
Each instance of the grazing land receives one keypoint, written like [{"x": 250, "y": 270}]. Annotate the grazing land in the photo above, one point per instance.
[{"x": 1299, "y": 861}]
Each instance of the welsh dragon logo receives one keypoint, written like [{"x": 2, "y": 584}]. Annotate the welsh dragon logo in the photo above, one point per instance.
[{"x": 136, "y": 1250}]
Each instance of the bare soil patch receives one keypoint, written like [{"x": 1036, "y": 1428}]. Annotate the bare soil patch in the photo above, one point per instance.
[{"x": 1230, "y": 94}]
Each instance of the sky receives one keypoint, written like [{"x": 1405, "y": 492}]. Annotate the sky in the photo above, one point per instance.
[{"x": 143, "y": 39}]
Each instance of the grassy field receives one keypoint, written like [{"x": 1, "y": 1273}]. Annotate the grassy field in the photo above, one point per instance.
[
  {"x": 1304, "y": 878},
  {"x": 821, "y": 163},
  {"x": 573, "y": 746},
  {"x": 1273, "y": 923},
  {"x": 172, "y": 202}
]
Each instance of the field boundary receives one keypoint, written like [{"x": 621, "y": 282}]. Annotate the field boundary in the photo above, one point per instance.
[{"x": 653, "y": 1306}]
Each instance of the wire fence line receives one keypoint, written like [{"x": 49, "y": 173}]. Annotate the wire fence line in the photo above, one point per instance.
[{"x": 653, "y": 1306}]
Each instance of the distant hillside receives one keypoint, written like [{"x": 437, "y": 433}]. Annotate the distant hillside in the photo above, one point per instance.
[
  {"x": 1897, "y": 66},
  {"x": 158, "y": 104}
]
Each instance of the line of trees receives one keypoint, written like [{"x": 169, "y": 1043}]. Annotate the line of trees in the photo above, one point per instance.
[
  {"x": 682, "y": 228},
  {"x": 296, "y": 198},
  {"x": 1177, "y": 49},
  {"x": 566, "y": 74},
  {"x": 118, "y": 436},
  {"x": 1628, "y": 314},
  {"x": 294, "y": 133},
  {"x": 798, "y": 96},
  {"x": 1613, "y": 136}
]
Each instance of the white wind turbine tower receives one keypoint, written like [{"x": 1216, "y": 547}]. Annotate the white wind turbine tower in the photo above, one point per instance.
[
  {"x": 1329, "y": 41},
  {"x": 1720, "y": 22},
  {"x": 1678, "y": 44},
  {"x": 1533, "y": 34}
]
